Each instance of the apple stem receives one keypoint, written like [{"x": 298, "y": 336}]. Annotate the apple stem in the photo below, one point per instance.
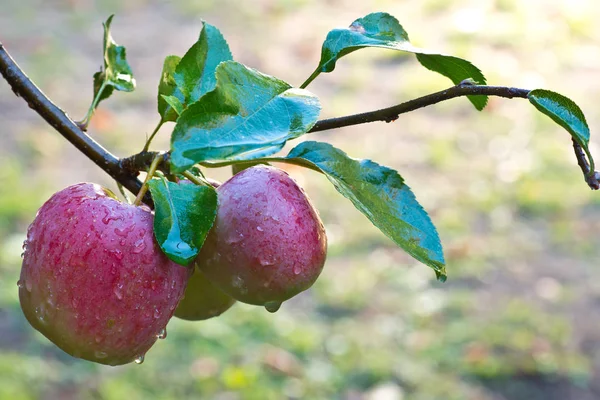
[
  {"x": 151, "y": 171},
  {"x": 196, "y": 179}
]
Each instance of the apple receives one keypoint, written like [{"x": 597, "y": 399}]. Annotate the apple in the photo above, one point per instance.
[
  {"x": 267, "y": 243},
  {"x": 202, "y": 299},
  {"x": 93, "y": 280}
]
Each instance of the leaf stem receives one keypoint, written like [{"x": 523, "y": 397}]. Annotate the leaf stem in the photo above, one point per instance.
[
  {"x": 151, "y": 172},
  {"x": 198, "y": 181},
  {"x": 83, "y": 124},
  {"x": 310, "y": 78},
  {"x": 158, "y": 126}
]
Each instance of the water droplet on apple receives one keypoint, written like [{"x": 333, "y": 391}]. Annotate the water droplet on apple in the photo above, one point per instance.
[
  {"x": 100, "y": 354},
  {"x": 139, "y": 246},
  {"x": 139, "y": 359},
  {"x": 156, "y": 313},
  {"x": 162, "y": 334},
  {"x": 272, "y": 306},
  {"x": 118, "y": 254},
  {"x": 24, "y": 247},
  {"x": 125, "y": 231},
  {"x": 118, "y": 291},
  {"x": 297, "y": 270},
  {"x": 20, "y": 284},
  {"x": 22, "y": 254},
  {"x": 266, "y": 263},
  {"x": 259, "y": 228}
]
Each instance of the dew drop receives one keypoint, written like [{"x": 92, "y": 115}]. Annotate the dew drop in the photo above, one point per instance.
[
  {"x": 118, "y": 291},
  {"x": 22, "y": 254},
  {"x": 272, "y": 306},
  {"x": 162, "y": 334},
  {"x": 297, "y": 270},
  {"x": 20, "y": 284},
  {"x": 100, "y": 354},
  {"x": 24, "y": 247},
  {"x": 259, "y": 228},
  {"x": 118, "y": 254},
  {"x": 139, "y": 246},
  {"x": 125, "y": 231},
  {"x": 266, "y": 263},
  {"x": 139, "y": 359},
  {"x": 156, "y": 313}
]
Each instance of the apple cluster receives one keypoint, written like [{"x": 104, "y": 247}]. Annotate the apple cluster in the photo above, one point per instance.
[{"x": 95, "y": 282}]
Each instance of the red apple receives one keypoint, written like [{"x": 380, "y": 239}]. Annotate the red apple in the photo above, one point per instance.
[
  {"x": 267, "y": 243},
  {"x": 94, "y": 281}
]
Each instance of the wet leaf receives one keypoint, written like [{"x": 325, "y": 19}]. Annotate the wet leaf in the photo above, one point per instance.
[
  {"x": 381, "y": 194},
  {"x": 116, "y": 73},
  {"x": 184, "y": 213},
  {"x": 384, "y": 31},
  {"x": 248, "y": 115},
  {"x": 565, "y": 113}
]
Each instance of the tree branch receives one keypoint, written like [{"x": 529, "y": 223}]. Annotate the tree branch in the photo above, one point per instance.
[
  {"x": 126, "y": 170},
  {"x": 392, "y": 113},
  {"x": 23, "y": 87}
]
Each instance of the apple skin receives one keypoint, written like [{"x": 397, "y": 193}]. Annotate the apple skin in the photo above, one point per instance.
[
  {"x": 202, "y": 299},
  {"x": 93, "y": 280},
  {"x": 267, "y": 243}
]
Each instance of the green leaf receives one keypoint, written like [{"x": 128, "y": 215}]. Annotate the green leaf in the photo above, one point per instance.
[
  {"x": 565, "y": 113},
  {"x": 168, "y": 93},
  {"x": 99, "y": 79},
  {"x": 116, "y": 69},
  {"x": 248, "y": 115},
  {"x": 184, "y": 213},
  {"x": 116, "y": 74},
  {"x": 381, "y": 194},
  {"x": 384, "y": 31},
  {"x": 195, "y": 73},
  {"x": 175, "y": 106}
]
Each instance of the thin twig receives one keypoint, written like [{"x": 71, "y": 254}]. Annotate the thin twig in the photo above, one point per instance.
[{"x": 392, "y": 113}]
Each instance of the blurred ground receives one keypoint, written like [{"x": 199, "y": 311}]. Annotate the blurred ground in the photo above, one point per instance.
[{"x": 519, "y": 315}]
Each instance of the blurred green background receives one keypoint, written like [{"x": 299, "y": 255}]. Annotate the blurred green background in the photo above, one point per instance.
[{"x": 519, "y": 317}]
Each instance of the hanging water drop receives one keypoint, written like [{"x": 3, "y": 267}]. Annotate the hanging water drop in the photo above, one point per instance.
[
  {"x": 20, "y": 284},
  {"x": 139, "y": 359},
  {"x": 272, "y": 306},
  {"x": 162, "y": 334}
]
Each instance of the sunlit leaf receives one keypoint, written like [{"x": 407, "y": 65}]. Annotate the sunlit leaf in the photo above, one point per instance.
[
  {"x": 248, "y": 115},
  {"x": 384, "y": 31},
  {"x": 381, "y": 194},
  {"x": 565, "y": 113},
  {"x": 168, "y": 94},
  {"x": 195, "y": 73}
]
